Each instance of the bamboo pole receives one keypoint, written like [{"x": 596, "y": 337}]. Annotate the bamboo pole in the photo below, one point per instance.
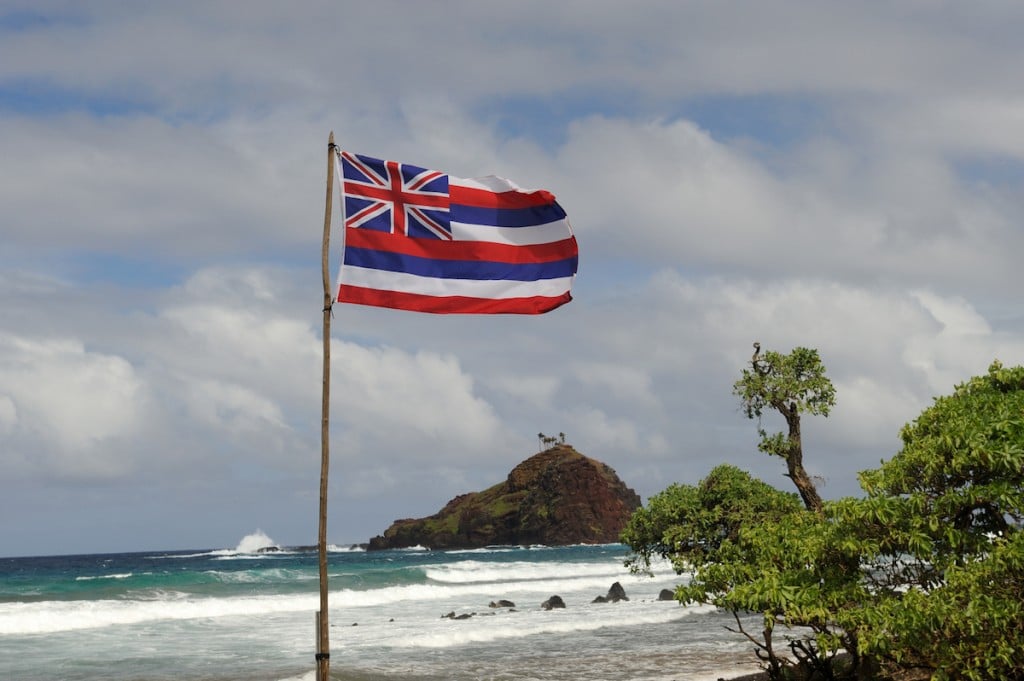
[{"x": 323, "y": 644}]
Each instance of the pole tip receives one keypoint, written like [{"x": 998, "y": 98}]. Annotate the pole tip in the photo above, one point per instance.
[{"x": 330, "y": 140}]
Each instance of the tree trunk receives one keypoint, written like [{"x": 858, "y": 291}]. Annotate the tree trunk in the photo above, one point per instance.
[{"x": 795, "y": 461}]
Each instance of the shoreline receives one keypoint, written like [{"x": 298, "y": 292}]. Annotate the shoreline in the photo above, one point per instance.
[{"x": 753, "y": 676}]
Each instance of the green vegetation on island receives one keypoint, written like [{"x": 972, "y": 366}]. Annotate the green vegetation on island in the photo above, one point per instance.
[{"x": 920, "y": 578}]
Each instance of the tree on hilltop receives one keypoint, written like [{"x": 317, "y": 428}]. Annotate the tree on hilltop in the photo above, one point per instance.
[{"x": 548, "y": 441}]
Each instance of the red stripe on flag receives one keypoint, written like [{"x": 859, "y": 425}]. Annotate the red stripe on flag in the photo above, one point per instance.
[
  {"x": 449, "y": 304},
  {"x": 482, "y": 198},
  {"x": 437, "y": 249}
]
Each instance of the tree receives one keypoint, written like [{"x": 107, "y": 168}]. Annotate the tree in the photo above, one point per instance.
[
  {"x": 547, "y": 441},
  {"x": 688, "y": 524},
  {"x": 921, "y": 578},
  {"x": 790, "y": 384},
  {"x": 750, "y": 548},
  {"x": 940, "y": 536}
]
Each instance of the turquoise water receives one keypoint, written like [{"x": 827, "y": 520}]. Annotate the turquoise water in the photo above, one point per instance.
[{"x": 239, "y": 614}]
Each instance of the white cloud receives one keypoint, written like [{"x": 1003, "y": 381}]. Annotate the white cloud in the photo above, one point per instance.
[
  {"x": 233, "y": 409},
  {"x": 826, "y": 208},
  {"x": 956, "y": 315},
  {"x": 733, "y": 172},
  {"x": 71, "y": 403},
  {"x": 963, "y": 344},
  {"x": 968, "y": 127},
  {"x": 594, "y": 425},
  {"x": 414, "y": 400},
  {"x": 147, "y": 188},
  {"x": 8, "y": 415},
  {"x": 621, "y": 383}
]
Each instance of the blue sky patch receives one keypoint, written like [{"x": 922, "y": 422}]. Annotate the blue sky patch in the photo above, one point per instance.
[
  {"x": 774, "y": 120},
  {"x": 996, "y": 171},
  {"x": 37, "y": 98},
  {"x": 777, "y": 120},
  {"x": 96, "y": 268}
]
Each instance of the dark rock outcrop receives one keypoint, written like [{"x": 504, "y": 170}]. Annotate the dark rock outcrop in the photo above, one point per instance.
[
  {"x": 463, "y": 616},
  {"x": 615, "y": 594},
  {"x": 666, "y": 595},
  {"x": 557, "y": 497},
  {"x": 553, "y": 602},
  {"x": 502, "y": 604}
]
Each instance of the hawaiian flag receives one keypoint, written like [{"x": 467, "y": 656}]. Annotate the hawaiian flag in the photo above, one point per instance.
[{"x": 418, "y": 239}]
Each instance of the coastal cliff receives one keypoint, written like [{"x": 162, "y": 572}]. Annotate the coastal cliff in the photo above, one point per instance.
[{"x": 556, "y": 497}]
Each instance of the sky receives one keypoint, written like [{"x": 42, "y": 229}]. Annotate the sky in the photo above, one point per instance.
[{"x": 841, "y": 176}]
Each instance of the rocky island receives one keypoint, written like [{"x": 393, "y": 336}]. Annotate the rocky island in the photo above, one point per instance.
[{"x": 556, "y": 497}]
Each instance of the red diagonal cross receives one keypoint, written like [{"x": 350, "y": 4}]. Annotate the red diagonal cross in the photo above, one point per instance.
[{"x": 399, "y": 196}]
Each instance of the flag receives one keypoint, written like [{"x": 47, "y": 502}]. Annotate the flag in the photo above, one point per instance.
[{"x": 422, "y": 240}]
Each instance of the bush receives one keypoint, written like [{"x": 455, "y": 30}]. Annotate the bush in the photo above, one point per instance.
[{"x": 921, "y": 578}]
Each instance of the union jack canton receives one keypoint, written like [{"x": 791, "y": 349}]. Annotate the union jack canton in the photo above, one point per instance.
[{"x": 393, "y": 197}]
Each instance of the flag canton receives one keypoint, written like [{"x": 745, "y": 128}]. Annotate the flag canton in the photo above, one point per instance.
[{"x": 399, "y": 198}]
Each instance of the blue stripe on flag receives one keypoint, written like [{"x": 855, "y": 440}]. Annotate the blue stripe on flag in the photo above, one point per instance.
[
  {"x": 506, "y": 217},
  {"x": 458, "y": 269}
]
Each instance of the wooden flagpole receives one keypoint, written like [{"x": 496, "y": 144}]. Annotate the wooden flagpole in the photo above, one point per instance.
[{"x": 323, "y": 644}]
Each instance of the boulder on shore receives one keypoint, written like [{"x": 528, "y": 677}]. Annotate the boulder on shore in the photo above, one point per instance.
[
  {"x": 615, "y": 594},
  {"x": 463, "y": 616},
  {"x": 553, "y": 602}
]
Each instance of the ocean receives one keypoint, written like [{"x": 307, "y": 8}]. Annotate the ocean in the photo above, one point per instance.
[{"x": 241, "y": 614}]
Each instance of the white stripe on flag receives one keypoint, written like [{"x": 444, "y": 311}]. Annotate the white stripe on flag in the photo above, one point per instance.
[
  {"x": 491, "y": 183},
  {"x": 515, "y": 236},
  {"x": 472, "y": 288}
]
